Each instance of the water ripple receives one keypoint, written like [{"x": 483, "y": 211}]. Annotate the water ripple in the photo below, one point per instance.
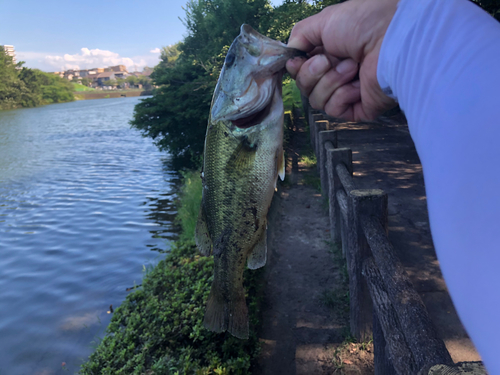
[{"x": 85, "y": 202}]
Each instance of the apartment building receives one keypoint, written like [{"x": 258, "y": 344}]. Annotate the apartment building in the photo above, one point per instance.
[{"x": 9, "y": 50}]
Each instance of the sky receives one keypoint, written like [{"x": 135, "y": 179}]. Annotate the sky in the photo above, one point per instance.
[{"x": 56, "y": 35}]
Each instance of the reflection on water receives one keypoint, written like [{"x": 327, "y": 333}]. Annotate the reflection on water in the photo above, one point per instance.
[{"x": 85, "y": 203}]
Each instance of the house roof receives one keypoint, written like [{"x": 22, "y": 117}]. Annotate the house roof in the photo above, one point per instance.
[{"x": 106, "y": 75}]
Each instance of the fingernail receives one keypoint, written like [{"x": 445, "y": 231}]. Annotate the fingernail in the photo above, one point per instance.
[
  {"x": 346, "y": 66},
  {"x": 319, "y": 65}
]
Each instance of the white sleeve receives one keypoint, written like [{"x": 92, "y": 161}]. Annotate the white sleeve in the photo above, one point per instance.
[{"x": 440, "y": 59}]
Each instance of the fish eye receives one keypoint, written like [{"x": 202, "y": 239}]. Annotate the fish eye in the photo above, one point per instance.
[{"x": 230, "y": 59}]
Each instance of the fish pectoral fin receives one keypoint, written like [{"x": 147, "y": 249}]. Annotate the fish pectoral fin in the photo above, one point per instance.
[
  {"x": 258, "y": 255},
  {"x": 243, "y": 156},
  {"x": 281, "y": 165},
  {"x": 202, "y": 237}
]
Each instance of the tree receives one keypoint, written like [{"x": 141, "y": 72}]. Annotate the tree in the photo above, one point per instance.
[
  {"x": 24, "y": 87},
  {"x": 177, "y": 114},
  {"x": 491, "y": 6},
  {"x": 86, "y": 82}
]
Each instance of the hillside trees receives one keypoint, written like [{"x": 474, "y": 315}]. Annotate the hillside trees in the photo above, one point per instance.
[{"x": 24, "y": 87}]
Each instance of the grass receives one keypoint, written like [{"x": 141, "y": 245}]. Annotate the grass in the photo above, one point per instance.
[
  {"x": 309, "y": 160},
  {"x": 291, "y": 95},
  {"x": 158, "y": 329},
  {"x": 80, "y": 87},
  {"x": 190, "y": 200}
]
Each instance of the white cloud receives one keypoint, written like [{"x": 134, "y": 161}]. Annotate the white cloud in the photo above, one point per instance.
[{"x": 86, "y": 59}]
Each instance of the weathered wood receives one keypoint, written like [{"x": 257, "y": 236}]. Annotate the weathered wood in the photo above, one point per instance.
[
  {"x": 398, "y": 351},
  {"x": 305, "y": 106},
  {"x": 327, "y": 141},
  {"x": 370, "y": 202},
  {"x": 313, "y": 117},
  {"x": 462, "y": 368},
  {"x": 344, "y": 222},
  {"x": 345, "y": 176},
  {"x": 333, "y": 158},
  {"x": 381, "y": 361},
  {"x": 343, "y": 204},
  {"x": 320, "y": 125},
  {"x": 421, "y": 335}
]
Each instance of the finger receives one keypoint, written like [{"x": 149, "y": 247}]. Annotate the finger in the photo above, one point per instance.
[
  {"x": 306, "y": 34},
  {"x": 311, "y": 72},
  {"x": 343, "y": 73},
  {"x": 342, "y": 102},
  {"x": 293, "y": 65}
]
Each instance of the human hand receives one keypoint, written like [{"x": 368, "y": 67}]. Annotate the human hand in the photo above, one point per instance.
[{"x": 344, "y": 41}]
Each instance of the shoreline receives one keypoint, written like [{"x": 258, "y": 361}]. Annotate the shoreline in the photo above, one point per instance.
[{"x": 88, "y": 95}]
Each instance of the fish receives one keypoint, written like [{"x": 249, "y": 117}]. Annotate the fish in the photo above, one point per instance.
[{"x": 243, "y": 157}]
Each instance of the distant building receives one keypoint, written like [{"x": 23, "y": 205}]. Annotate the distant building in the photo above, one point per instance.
[
  {"x": 10, "y": 51},
  {"x": 103, "y": 77},
  {"x": 119, "y": 68}
]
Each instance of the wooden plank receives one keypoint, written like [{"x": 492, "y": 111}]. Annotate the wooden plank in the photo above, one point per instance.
[
  {"x": 363, "y": 201},
  {"x": 345, "y": 176},
  {"x": 421, "y": 335},
  {"x": 327, "y": 141},
  {"x": 319, "y": 126},
  {"x": 344, "y": 222},
  {"x": 334, "y": 157},
  {"x": 398, "y": 351}
]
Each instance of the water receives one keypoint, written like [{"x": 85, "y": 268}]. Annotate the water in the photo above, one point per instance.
[{"x": 85, "y": 204}]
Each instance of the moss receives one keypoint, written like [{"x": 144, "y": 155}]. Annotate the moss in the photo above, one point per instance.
[{"x": 159, "y": 329}]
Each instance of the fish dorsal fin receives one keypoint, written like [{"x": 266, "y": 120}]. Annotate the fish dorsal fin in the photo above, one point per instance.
[
  {"x": 281, "y": 164},
  {"x": 202, "y": 237},
  {"x": 258, "y": 255}
]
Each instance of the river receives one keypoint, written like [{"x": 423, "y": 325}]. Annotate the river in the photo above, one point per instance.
[{"x": 85, "y": 207}]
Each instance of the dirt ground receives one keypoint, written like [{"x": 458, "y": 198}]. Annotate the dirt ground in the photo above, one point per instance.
[{"x": 305, "y": 323}]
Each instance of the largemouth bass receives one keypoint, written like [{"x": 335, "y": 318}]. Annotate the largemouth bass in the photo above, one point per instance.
[{"x": 242, "y": 160}]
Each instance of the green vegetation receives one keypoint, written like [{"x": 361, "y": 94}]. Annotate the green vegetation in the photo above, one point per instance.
[
  {"x": 158, "y": 329},
  {"x": 291, "y": 96},
  {"x": 187, "y": 214},
  {"x": 491, "y": 6},
  {"x": 79, "y": 87},
  {"x": 23, "y": 87},
  {"x": 176, "y": 116}
]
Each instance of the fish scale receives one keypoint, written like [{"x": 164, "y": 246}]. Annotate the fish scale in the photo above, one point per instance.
[{"x": 242, "y": 159}]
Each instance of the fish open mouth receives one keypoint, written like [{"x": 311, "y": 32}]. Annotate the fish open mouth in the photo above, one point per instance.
[{"x": 253, "y": 119}]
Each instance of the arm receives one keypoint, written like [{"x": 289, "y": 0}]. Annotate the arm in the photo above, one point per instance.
[{"x": 441, "y": 60}]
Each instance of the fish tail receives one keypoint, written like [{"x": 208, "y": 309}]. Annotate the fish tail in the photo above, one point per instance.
[{"x": 224, "y": 314}]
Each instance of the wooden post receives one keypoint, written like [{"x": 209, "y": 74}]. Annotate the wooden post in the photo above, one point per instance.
[
  {"x": 395, "y": 347},
  {"x": 315, "y": 129},
  {"x": 381, "y": 361},
  {"x": 364, "y": 202},
  {"x": 305, "y": 106},
  {"x": 325, "y": 136},
  {"x": 426, "y": 346},
  {"x": 320, "y": 126},
  {"x": 333, "y": 158}
]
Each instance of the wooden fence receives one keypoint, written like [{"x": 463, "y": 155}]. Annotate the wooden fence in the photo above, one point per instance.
[{"x": 383, "y": 303}]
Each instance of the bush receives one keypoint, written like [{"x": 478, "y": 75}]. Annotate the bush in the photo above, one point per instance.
[{"x": 159, "y": 329}]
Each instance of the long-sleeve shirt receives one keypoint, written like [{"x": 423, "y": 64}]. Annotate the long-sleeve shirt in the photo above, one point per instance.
[{"x": 440, "y": 59}]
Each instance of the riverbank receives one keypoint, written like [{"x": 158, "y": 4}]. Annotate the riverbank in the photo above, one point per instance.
[
  {"x": 158, "y": 329},
  {"x": 87, "y": 95}
]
